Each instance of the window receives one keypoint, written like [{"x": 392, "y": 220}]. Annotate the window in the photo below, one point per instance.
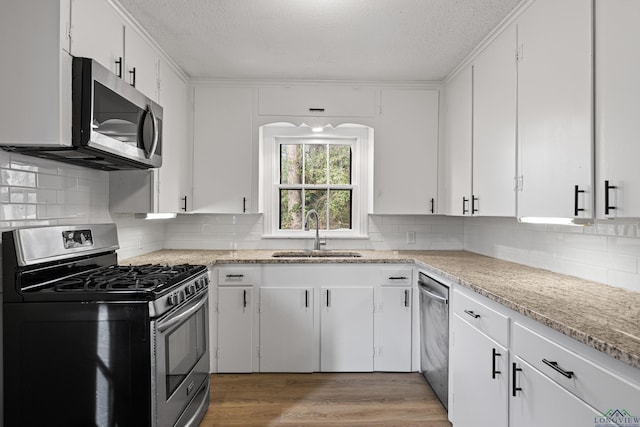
[{"x": 328, "y": 172}]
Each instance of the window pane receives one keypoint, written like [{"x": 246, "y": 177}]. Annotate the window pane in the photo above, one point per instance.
[
  {"x": 340, "y": 210},
  {"x": 340, "y": 164},
  {"x": 290, "y": 209},
  {"x": 315, "y": 164},
  {"x": 317, "y": 199},
  {"x": 290, "y": 164}
]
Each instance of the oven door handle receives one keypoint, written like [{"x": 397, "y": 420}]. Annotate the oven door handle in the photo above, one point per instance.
[{"x": 187, "y": 311}]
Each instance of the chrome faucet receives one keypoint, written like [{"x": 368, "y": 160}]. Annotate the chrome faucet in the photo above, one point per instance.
[{"x": 317, "y": 242}]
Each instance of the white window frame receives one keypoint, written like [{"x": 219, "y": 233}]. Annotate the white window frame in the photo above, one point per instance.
[{"x": 359, "y": 137}]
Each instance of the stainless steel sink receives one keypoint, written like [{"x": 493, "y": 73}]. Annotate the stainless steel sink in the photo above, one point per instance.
[{"x": 316, "y": 254}]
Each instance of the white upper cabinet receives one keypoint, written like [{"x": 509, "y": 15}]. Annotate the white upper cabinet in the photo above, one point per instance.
[
  {"x": 141, "y": 64},
  {"x": 222, "y": 158},
  {"x": 406, "y": 152},
  {"x": 555, "y": 141},
  {"x": 177, "y": 147},
  {"x": 456, "y": 173},
  {"x": 320, "y": 100},
  {"x": 617, "y": 71},
  {"x": 36, "y": 85},
  {"x": 97, "y": 31},
  {"x": 494, "y": 127},
  {"x": 100, "y": 33}
]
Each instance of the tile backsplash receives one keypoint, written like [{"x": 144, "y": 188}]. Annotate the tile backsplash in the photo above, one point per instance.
[
  {"x": 387, "y": 232},
  {"x": 36, "y": 192},
  {"x": 40, "y": 192},
  {"x": 606, "y": 252}
]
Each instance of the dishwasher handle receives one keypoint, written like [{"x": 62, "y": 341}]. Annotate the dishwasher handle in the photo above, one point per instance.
[{"x": 433, "y": 296}]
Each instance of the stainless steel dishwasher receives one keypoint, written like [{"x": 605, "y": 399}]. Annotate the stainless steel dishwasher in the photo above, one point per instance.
[{"x": 434, "y": 335}]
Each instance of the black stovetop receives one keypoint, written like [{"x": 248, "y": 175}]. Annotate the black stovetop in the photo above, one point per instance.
[{"x": 145, "y": 278}]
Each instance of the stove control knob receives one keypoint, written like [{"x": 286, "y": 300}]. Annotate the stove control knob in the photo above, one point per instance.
[
  {"x": 171, "y": 300},
  {"x": 181, "y": 296},
  {"x": 199, "y": 284}
]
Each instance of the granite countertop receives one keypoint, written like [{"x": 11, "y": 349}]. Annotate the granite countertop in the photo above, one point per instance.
[{"x": 603, "y": 317}]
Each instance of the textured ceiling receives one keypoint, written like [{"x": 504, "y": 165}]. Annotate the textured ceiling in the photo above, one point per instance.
[{"x": 381, "y": 40}]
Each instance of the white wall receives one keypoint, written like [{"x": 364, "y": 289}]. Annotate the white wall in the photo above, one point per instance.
[{"x": 607, "y": 252}]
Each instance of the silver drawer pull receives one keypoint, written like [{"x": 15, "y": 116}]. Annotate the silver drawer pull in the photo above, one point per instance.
[
  {"x": 235, "y": 276},
  {"x": 472, "y": 314},
  {"x": 555, "y": 367},
  {"x": 398, "y": 278}
]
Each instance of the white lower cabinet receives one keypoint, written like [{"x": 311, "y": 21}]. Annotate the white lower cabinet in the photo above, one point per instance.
[
  {"x": 235, "y": 329},
  {"x": 286, "y": 318},
  {"x": 286, "y": 330},
  {"x": 346, "y": 329},
  {"x": 393, "y": 326},
  {"x": 538, "y": 401},
  {"x": 479, "y": 378},
  {"x": 509, "y": 370}
]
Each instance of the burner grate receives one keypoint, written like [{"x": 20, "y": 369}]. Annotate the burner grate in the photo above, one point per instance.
[{"x": 147, "y": 277}]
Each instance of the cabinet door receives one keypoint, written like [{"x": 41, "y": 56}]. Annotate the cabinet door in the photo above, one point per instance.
[
  {"x": 541, "y": 402},
  {"x": 406, "y": 152},
  {"x": 457, "y": 149},
  {"x": 177, "y": 148},
  {"x": 393, "y": 330},
  {"x": 286, "y": 330},
  {"x": 222, "y": 165},
  {"x": 479, "y": 378},
  {"x": 97, "y": 32},
  {"x": 346, "y": 329},
  {"x": 555, "y": 109},
  {"x": 617, "y": 86},
  {"x": 141, "y": 64},
  {"x": 235, "y": 329},
  {"x": 494, "y": 127},
  {"x": 321, "y": 100}
]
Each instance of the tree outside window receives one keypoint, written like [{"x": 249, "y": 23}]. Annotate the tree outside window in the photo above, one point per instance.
[{"x": 316, "y": 174}]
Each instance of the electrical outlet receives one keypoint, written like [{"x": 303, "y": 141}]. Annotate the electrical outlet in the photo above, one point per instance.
[
  {"x": 411, "y": 237},
  {"x": 139, "y": 243}
]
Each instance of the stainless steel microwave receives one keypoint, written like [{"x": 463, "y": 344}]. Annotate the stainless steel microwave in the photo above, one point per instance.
[{"x": 114, "y": 126}]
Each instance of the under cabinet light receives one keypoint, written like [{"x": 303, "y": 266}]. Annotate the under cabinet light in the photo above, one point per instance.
[
  {"x": 316, "y": 130},
  {"x": 154, "y": 215},
  {"x": 554, "y": 221}
]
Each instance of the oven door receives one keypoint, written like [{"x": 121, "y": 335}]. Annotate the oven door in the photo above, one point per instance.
[{"x": 182, "y": 363}]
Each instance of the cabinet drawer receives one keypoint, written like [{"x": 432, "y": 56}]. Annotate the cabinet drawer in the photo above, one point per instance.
[
  {"x": 598, "y": 387},
  {"x": 236, "y": 276},
  {"x": 336, "y": 101},
  {"x": 482, "y": 317},
  {"x": 400, "y": 276}
]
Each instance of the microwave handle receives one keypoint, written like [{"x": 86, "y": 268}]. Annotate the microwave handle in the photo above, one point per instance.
[{"x": 156, "y": 132}]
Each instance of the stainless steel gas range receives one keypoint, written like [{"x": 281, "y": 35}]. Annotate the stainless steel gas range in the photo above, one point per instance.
[{"x": 90, "y": 343}]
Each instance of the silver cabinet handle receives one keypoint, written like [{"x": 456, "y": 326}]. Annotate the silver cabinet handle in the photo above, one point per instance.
[{"x": 406, "y": 297}]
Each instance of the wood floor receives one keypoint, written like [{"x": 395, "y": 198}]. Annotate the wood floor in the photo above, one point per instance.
[{"x": 323, "y": 399}]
